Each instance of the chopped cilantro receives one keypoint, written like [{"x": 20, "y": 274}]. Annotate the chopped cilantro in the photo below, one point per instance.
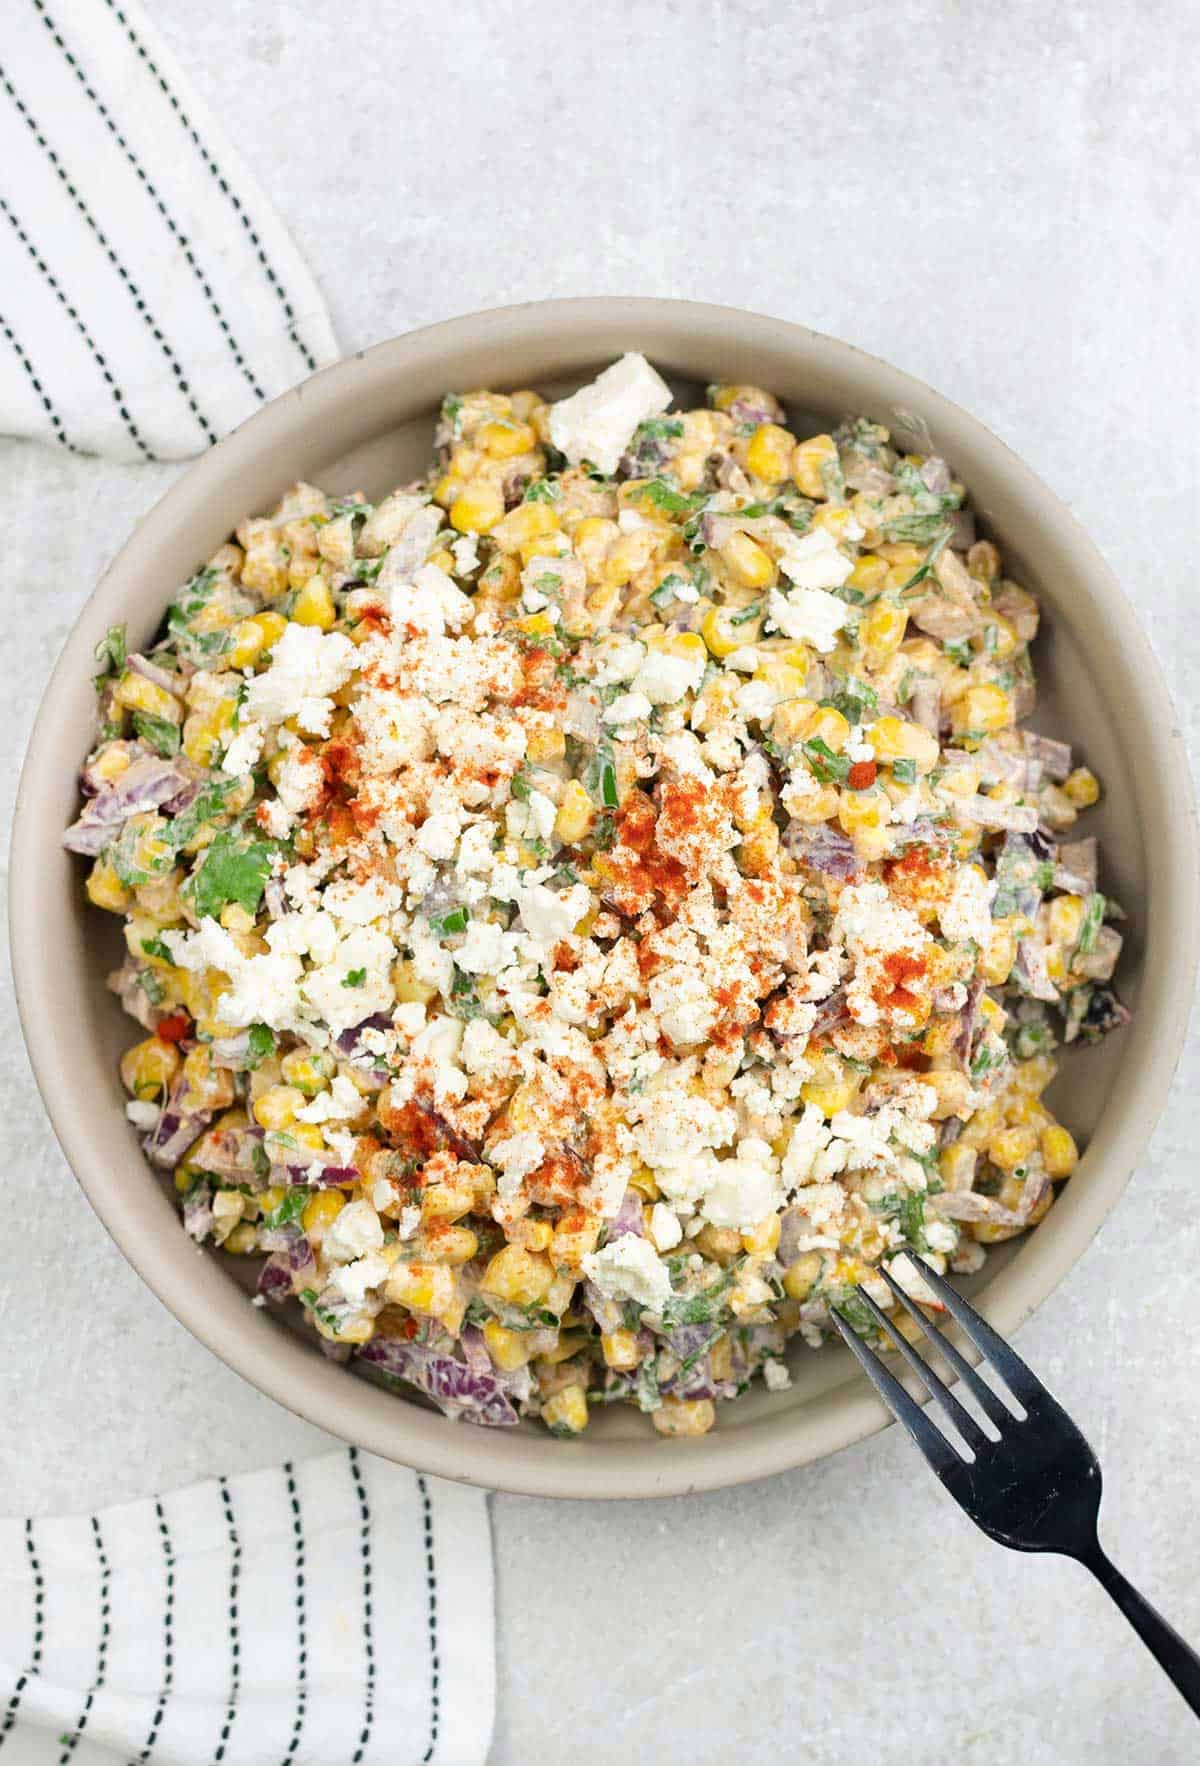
[
  {"x": 958, "y": 650},
  {"x": 260, "y": 1044},
  {"x": 354, "y": 977},
  {"x": 660, "y": 428},
  {"x": 667, "y": 500},
  {"x": 853, "y": 700},
  {"x": 542, "y": 490},
  {"x": 159, "y": 732},
  {"x": 232, "y": 868},
  {"x": 1089, "y": 928},
  {"x": 322, "y": 1314},
  {"x": 668, "y": 589},
  {"x": 827, "y": 766},
  {"x": 110, "y": 653},
  {"x": 905, "y": 771},
  {"x": 521, "y": 785},
  {"x": 746, "y": 613},
  {"x": 453, "y": 920},
  {"x": 154, "y": 947},
  {"x": 290, "y": 1209}
]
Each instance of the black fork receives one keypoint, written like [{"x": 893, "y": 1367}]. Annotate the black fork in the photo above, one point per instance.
[{"x": 1035, "y": 1484}]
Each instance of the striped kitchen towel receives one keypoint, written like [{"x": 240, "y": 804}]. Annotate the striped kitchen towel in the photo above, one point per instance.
[
  {"x": 150, "y": 297},
  {"x": 329, "y": 1612}
]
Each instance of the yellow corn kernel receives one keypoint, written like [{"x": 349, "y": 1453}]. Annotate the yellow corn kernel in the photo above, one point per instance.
[
  {"x": 829, "y": 726},
  {"x": 1034, "y": 1075},
  {"x": 881, "y": 633},
  {"x": 759, "y": 848},
  {"x": 1010, "y": 1147},
  {"x": 762, "y": 1239},
  {"x": 1082, "y": 787},
  {"x": 320, "y": 1212},
  {"x": 721, "y": 637},
  {"x": 410, "y": 991},
  {"x": 818, "y": 806},
  {"x": 834, "y": 520},
  {"x": 566, "y": 1413},
  {"x": 983, "y": 710},
  {"x": 307, "y": 1072},
  {"x": 139, "y": 694},
  {"x": 1000, "y": 954},
  {"x": 508, "y": 1349},
  {"x": 314, "y": 604},
  {"x": 1004, "y": 640},
  {"x": 983, "y": 561},
  {"x": 576, "y": 815},
  {"x": 536, "y": 625},
  {"x": 1060, "y": 1155},
  {"x": 769, "y": 454},
  {"x": 276, "y": 1108},
  {"x": 501, "y": 440},
  {"x": 832, "y": 1095},
  {"x": 800, "y": 1278},
  {"x": 105, "y": 889},
  {"x": 446, "y": 1201},
  {"x": 307, "y": 1134},
  {"x": 790, "y": 721},
  {"x": 956, "y": 1164},
  {"x": 991, "y": 1014},
  {"x": 526, "y": 523},
  {"x": 422, "y": 1287},
  {"x": 981, "y": 1126},
  {"x": 895, "y": 738},
  {"x": 249, "y": 641},
  {"x": 808, "y": 457},
  {"x": 1064, "y": 917},
  {"x": 448, "y": 487},
  {"x": 685, "y": 1416},
  {"x": 524, "y": 1277},
  {"x": 477, "y": 507},
  {"x": 531, "y": 1235},
  {"x": 747, "y": 562},
  {"x": 149, "y": 1067},
  {"x": 870, "y": 573},
  {"x": 621, "y": 1349},
  {"x": 859, "y": 811},
  {"x": 452, "y": 1245},
  {"x": 544, "y": 745},
  {"x": 1021, "y": 1111}
]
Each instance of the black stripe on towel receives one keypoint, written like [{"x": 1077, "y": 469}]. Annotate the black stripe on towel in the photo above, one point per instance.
[
  {"x": 364, "y": 1512},
  {"x": 102, "y": 1649},
  {"x": 301, "y": 1617},
  {"x": 39, "y": 1617},
  {"x": 89, "y": 340},
  {"x": 102, "y": 241},
  {"x": 56, "y": 422},
  {"x": 148, "y": 185},
  {"x": 235, "y": 1641},
  {"x": 309, "y": 359},
  {"x": 435, "y": 1692},
  {"x": 168, "y": 1673}
]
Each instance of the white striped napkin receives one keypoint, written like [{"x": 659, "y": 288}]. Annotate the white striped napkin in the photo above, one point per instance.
[
  {"x": 333, "y": 1612},
  {"x": 150, "y": 297}
]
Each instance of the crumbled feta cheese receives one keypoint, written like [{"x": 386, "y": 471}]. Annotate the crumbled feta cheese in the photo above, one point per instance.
[
  {"x": 665, "y": 1229},
  {"x": 515, "y": 1157},
  {"x": 664, "y": 678},
  {"x": 307, "y": 665},
  {"x": 143, "y": 1115},
  {"x": 743, "y": 1190},
  {"x": 808, "y": 615},
  {"x": 353, "y": 1281},
  {"x": 776, "y": 1377},
  {"x": 466, "y": 554},
  {"x": 968, "y": 911},
  {"x": 241, "y": 756},
  {"x": 355, "y": 1231},
  {"x": 628, "y": 708},
  {"x": 341, "y": 1103},
  {"x": 629, "y": 1269},
  {"x": 597, "y": 422},
  {"x": 815, "y": 561}
]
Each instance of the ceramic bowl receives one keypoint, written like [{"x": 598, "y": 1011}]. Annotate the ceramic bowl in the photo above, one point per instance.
[{"x": 366, "y": 424}]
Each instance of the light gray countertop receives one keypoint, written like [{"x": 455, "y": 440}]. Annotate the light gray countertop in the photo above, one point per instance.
[{"x": 1001, "y": 200}]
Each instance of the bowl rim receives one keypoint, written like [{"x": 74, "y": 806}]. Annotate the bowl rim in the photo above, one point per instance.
[{"x": 285, "y": 1368}]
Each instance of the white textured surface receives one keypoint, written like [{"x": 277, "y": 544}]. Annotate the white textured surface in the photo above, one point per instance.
[{"x": 1002, "y": 201}]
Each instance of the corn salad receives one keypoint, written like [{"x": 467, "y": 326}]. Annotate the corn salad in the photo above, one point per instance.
[{"x": 591, "y": 909}]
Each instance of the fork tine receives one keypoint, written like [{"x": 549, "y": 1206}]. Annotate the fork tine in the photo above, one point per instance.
[
  {"x": 990, "y": 1402},
  {"x": 962, "y": 1419},
  {"x": 925, "y": 1433},
  {"x": 1020, "y": 1379}
]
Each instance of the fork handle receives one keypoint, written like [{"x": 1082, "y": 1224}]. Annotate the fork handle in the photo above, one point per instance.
[{"x": 1173, "y": 1655}]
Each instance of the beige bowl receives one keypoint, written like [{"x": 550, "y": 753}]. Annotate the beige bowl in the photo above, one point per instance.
[{"x": 366, "y": 423}]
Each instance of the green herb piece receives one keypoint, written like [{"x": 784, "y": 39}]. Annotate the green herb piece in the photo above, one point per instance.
[
  {"x": 453, "y": 920},
  {"x": 827, "y": 766},
  {"x": 856, "y": 1314},
  {"x": 542, "y": 490},
  {"x": 352, "y": 507},
  {"x": 958, "y": 650},
  {"x": 854, "y": 700},
  {"x": 354, "y": 978},
  {"x": 290, "y": 1209},
  {"x": 323, "y": 1315},
  {"x": 1089, "y": 926},
  {"x": 110, "y": 653},
  {"x": 905, "y": 771},
  {"x": 159, "y": 732},
  {"x": 910, "y": 1214},
  {"x": 704, "y": 1307},
  {"x": 232, "y": 868},
  {"x": 991, "y": 1054},
  {"x": 521, "y": 785},
  {"x": 746, "y": 613},
  {"x": 667, "y": 500},
  {"x": 261, "y": 1044},
  {"x": 668, "y": 589},
  {"x": 659, "y": 429},
  {"x": 452, "y": 413},
  {"x": 604, "y": 833},
  {"x": 151, "y": 986},
  {"x": 154, "y": 947},
  {"x": 1043, "y": 874}
]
